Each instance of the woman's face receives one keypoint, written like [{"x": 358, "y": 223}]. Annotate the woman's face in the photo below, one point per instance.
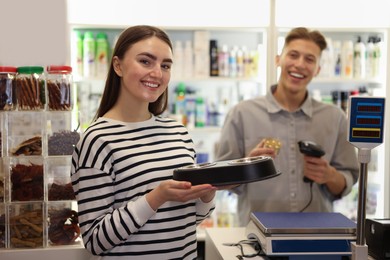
[{"x": 145, "y": 71}]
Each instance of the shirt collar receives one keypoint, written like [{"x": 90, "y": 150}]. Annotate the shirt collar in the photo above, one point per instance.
[{"x": 274, "y": 107}]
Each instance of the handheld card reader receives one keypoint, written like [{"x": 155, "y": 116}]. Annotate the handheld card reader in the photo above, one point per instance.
[{"x": 365, "y": 131}]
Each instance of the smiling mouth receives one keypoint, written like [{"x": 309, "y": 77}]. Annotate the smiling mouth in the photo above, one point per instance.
[
  {"x": 150, "y": 85},
  {"x": 296, "y": 75}
]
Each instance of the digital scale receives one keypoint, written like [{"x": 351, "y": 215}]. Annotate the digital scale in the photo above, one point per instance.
[
  {"x": 302, "y": 234},
  {"x": 311, "y": 235},
  {"x": 365, "y": 132}
]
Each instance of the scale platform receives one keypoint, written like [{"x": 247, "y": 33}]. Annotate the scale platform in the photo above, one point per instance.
[{"x": 307, "y": 233}]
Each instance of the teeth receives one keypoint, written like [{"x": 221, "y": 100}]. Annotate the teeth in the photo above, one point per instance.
[
  {"x": 296, "y": 75},
  {"x": 151, "y": 85}
]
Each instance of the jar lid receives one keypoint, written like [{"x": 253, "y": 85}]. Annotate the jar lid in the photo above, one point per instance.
[
  {"x": 30, "y": 69},
  {"x": 59, "y": 69},
  {"x": 8, "y": 69}
]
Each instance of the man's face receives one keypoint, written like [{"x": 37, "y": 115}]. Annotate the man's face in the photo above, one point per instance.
[{"x": 299, "y": 63}]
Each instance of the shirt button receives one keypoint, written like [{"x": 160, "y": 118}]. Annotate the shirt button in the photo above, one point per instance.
[
  {"x": 292, "y": 194},
  {"x": 292, "y": 172}
]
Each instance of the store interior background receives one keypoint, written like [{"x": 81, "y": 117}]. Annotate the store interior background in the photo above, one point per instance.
[{"x": 39, "y": 33}]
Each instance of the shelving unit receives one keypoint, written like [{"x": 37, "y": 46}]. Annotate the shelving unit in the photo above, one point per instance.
[{"x": 236, "y": 89}]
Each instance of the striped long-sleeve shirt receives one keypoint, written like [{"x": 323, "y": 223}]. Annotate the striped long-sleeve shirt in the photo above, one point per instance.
[{"x": 114, "y": 166}]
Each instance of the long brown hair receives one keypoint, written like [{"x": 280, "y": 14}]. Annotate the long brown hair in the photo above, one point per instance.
[{"x": 127, "y": 38}]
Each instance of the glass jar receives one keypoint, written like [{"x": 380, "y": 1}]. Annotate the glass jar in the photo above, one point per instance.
[
  {"x": 59, "y": 83},
  {"x": 7, "y": 88},
  {"x": 30, "y": 88}
]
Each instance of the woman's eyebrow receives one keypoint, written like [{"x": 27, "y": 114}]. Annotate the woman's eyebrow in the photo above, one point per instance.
[{"x": 153, "y": 57}]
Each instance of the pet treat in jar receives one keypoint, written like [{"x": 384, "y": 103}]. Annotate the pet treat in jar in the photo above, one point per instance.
[
  {"x": 59, "y": 88},
  {"x": 7, "y": 88},
  {"x": 30, "y": 88}
]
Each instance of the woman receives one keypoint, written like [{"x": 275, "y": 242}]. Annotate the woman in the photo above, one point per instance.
[{"x": 129, "y": 206}]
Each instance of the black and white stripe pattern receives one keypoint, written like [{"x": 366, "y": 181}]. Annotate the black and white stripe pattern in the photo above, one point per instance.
[{"x": 114, "y": 166}]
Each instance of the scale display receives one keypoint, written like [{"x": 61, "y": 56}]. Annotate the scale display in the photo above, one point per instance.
[{"x": 366, "y": 120}]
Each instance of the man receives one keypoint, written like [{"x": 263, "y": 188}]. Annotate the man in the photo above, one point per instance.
[{"x": 288, "y": 113}]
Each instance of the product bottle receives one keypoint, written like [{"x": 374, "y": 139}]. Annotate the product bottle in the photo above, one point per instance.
[
  {"x": 255, "y": 57},
  {"x": 370, "y": 58},
  {"x": 178, "y": 55},
  {"x": 214, "y": 70},
  {"x": 89, "y": 48},
  {"x": 180, "y": 103},
  {"x": 188, "y": 60},
  {"x": 347, "y": 59},
  {"x": 377, "y": 57},
  {"x": 327, "y": 60},
  {"x": 200, "y": 112},
  {"x": 247, "y": 62},
  {"x": 359, "y": 59},
  {"x": 240, "y": 62},
  {"x": 77, "y": 53},
  {"x": 223, "y": 61},
  {"x": 337, "y": 58},
  {"x": 102, "y": 48},
  {"x": 233, "y": 62}
]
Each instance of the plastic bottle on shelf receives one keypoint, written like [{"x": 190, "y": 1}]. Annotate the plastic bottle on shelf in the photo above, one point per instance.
[
  {"x": 327, "y": 60},
  {"x": 377, "y": 69},
  {"x": 188, "y": 60},
  {"x": 77, "y": 53},
  {"x": 89, "y": 62},
  {"x": 178, "y": 55},
  {"x": 200, "y": 112},
  {"x": 214, "y": 69},
  {"x": 190, "y": 108},
  {"x": 255, "y": 58},
  {"x": 180, "y": 103},
  {"x": 223, "y": 61},
  {"x": 359, "y": 59},
  {"x": 347, "y": 59},
  {"x": 233, "y": 62},
  {"x": 370, "y": 58},
  {"x": 247, "y": 62},
  {"x": 337, "y": 59},
  {"x": 102, "y": 49},
  {"x": 240, "y": 62}
]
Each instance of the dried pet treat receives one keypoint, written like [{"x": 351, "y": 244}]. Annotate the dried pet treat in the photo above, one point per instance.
[
  {"x": 32, "y": 146},
  {"x": 59, "y": 87},
  {"x": 2, "y": 231},
  {"x": 7, "y": 88},
  {"x": 30, "y": 93},
  {"x": 63, "y": 226},
  {"x": 27, "y": 182},
  {"x": 61, "y": 192},
  {"x": 26, "y": 230},
  {"x": 59, "y": 96},
  {"x": 62, "y": 142},
  {"x": 1, "y": 190}
]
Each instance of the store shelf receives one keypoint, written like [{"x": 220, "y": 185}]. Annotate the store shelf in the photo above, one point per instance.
[{"x": 73, "y": 252}]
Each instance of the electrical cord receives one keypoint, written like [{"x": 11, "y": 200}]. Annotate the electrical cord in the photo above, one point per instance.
[
  {"x": 254, "y": 243},
  {"x": 311, "y": 197}
]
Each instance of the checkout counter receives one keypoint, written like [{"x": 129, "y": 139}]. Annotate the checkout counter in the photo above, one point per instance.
[
  {"x": 217, "y": 237},
  {"x": 285, "y": 235}
]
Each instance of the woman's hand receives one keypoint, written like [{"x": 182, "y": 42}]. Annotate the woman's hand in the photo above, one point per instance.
[{"x": 180, "y": 191}]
